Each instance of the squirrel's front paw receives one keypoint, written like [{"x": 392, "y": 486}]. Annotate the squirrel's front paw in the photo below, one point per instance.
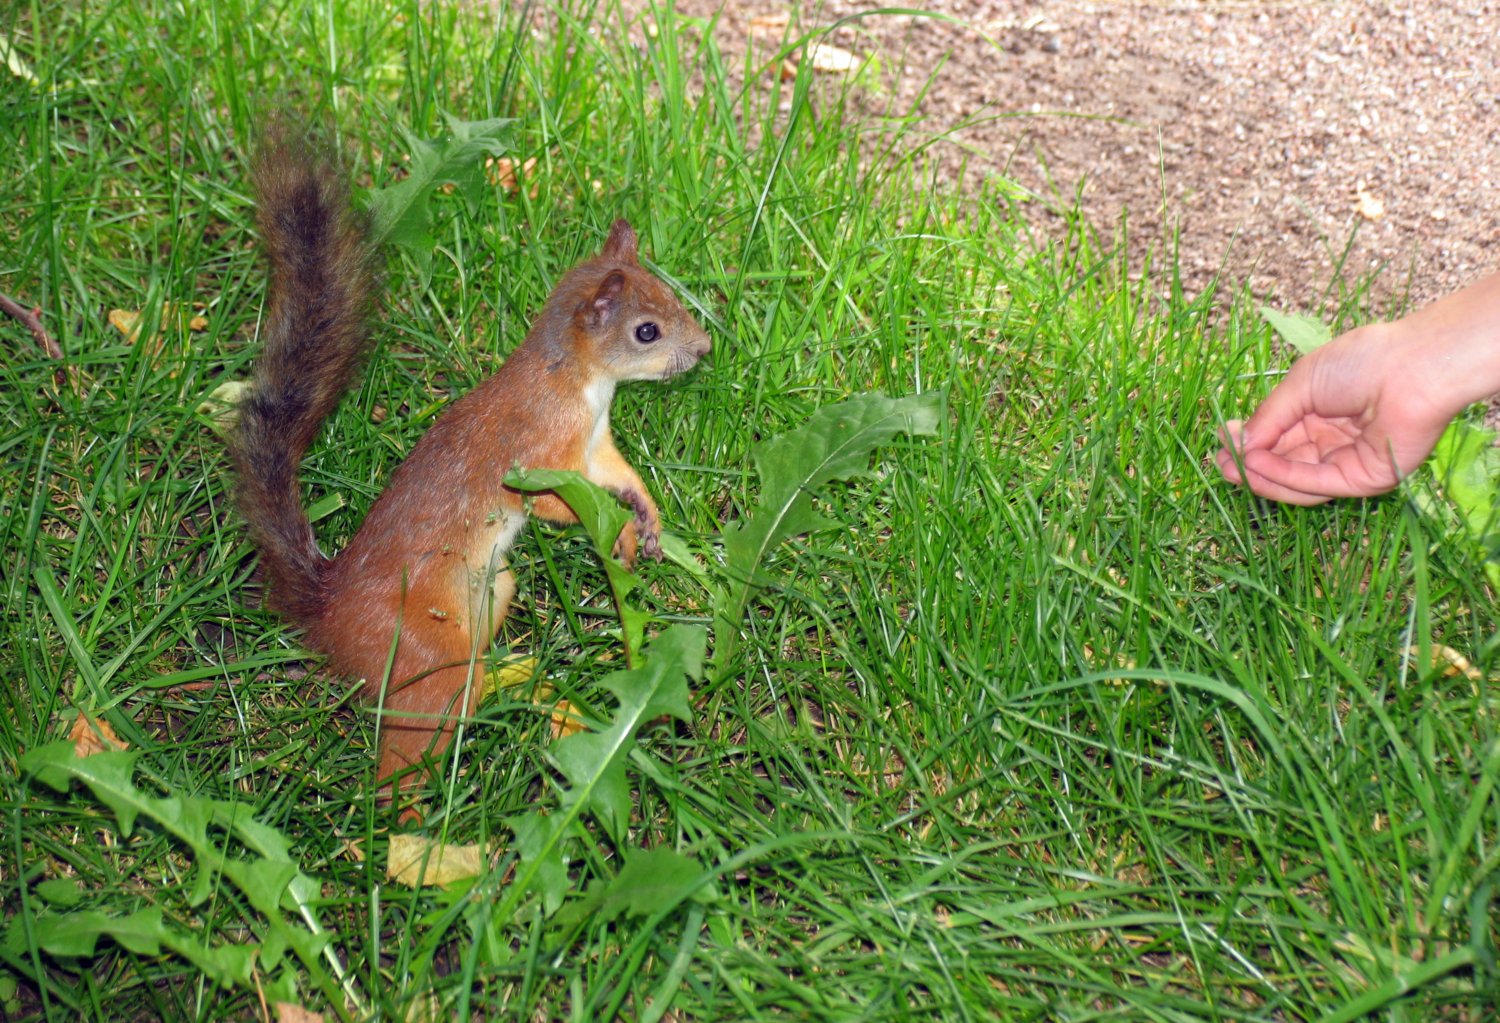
[
  {"x": 651, "y": 544},
  {"x": 646, "y": 526}
]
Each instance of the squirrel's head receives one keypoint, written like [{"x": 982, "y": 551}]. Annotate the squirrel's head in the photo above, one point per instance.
[{"x": 639, "y": 329}]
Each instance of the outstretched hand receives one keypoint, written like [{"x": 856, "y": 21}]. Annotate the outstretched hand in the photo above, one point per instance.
[
  {"x": 1363, "y": 411},
  {"x": 1344, "y": 422}
]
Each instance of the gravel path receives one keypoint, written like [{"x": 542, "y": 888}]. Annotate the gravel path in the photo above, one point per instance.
[{"x": 1274, "y": 132}]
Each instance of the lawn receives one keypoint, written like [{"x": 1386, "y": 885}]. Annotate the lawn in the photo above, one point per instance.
[{"x": 1046, "y": 723}]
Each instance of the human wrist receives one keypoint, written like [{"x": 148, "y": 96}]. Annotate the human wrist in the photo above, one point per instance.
[{"x": 1452, "y": 347}]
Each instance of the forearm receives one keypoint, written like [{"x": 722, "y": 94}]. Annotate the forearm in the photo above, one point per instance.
[{"x": 1453, "y": 345}]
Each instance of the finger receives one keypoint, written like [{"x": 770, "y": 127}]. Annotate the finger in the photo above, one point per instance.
[
  {"x": 1229, "y": 466},
  {"x": 1263, "y": 486},
  {"x": 1267, "y": 488},
  {"x": 1287, "y": 404},
  {"x": 1342, "y": 475},
  {"x": 1295, "y": 443}
]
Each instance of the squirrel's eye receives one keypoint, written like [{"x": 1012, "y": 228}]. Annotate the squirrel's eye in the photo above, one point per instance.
[{"x": 646, "y": 333}]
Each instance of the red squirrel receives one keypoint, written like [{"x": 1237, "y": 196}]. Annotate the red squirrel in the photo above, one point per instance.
[{"x": 430, "y": 556}]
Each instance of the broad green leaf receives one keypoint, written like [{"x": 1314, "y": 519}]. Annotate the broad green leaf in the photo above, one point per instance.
[
  {"x": 60, "y": 891},
  {"x": 650, "y": 881},
  {"x": 76, "y": 934},
  {"x": 225, "y": 964},
  {"x": 632, "y": 619},
  {"x": 1467, "y": 464},
  {"x": 400, "y": 211},
  {"x": 108, "y": 774},
  {"x": 263, "y": 882},
  {"x": 1303, "y": 333},
  {"x": 602, "y": 516},
  {"x": 678, "y": 552},
  {"x": 593, "y": 764},
  {"x": 600, "y": 512},
  {"x": 541, "y": 844},
  {"x": 266, "y": 880},
  {"x": 834, "y": 443},
  {"x": 659, "y": 685}
]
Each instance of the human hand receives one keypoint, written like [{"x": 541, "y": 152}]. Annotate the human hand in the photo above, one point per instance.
[
  {"x": 1348, "y": 420},
  {"x": 1362, "y": 412}
]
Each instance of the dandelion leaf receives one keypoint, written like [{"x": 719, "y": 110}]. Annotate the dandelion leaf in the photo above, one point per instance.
[{"x": 1304, "y": 333}]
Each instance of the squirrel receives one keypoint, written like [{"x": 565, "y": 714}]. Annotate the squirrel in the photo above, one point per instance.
[{"x": 429, "y": 560}]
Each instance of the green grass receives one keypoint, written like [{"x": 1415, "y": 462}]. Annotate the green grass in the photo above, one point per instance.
[{"x": 1059, "y": 727}]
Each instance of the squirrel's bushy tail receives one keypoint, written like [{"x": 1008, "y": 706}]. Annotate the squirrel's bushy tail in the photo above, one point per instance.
[{"x": 315, "y": 336}]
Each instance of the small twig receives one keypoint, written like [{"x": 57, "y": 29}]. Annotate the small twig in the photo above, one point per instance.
[{"x": 32, "y": 320}]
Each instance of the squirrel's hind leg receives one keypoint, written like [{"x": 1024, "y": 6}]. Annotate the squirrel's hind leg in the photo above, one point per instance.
[{"x": 417, "y": 721}]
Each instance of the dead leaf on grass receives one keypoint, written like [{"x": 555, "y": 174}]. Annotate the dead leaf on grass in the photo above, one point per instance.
[
  {"x": 1451, "y": 661},
  {"x": 287, "y": 1012},
  {"x": 416, "y": 861},
  {"x": 174, "y": 315},
  {"x": 222, "y": 405},
  {"x": 832, "y": 59},
  {"x": 17, "y": 66},
  {"x": 512, "y": 673},
  {"x": 1120, "y": 661},
  {"x": 501, "y": 173},
  {"x": 564, "y": 721},
  {"x": 127, "y": 322},
  {"x": 92, "y": 735}
]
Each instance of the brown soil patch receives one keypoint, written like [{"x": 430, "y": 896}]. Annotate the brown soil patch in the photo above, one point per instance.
[{"x": 1267, "y": 134}]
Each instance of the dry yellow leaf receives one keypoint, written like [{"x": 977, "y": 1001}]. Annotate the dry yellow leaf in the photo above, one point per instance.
[
  {"x": 564, "y": 721},
  {"x": 92, "y": 735},
  {"x": 18, "y": 67},
  {"x": 502, "y": 174},
  {"x": 831, "y": 59},
  {"x": 415, "y": 861},
  {"x": 1451, "y": 661},
  {"x": 127, "y": 322},
  {"x": 512, "y": 673},
  {"x": 287, "y": 1012},
  {"x": 222, "y": 405}
]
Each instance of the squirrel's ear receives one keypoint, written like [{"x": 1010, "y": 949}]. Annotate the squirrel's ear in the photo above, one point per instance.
[
  {"x": 606, "y": 299},
  {"x": 621, "y": 243}
]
